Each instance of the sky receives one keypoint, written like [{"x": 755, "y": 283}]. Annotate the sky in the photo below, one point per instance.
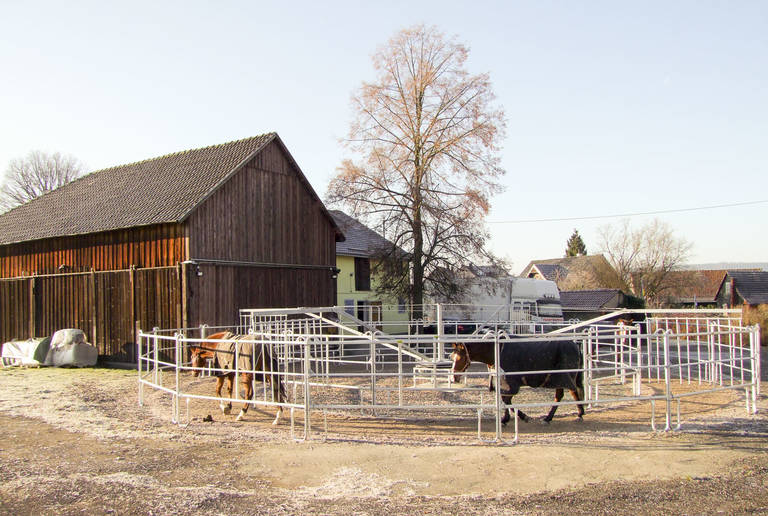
[{"x": 613, "y": 107}]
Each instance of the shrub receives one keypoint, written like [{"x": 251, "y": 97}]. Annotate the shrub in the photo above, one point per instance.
[{"x": 758, "y": 315}]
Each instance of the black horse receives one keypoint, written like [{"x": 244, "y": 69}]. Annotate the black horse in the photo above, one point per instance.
[{"x": 520, "y": 356}]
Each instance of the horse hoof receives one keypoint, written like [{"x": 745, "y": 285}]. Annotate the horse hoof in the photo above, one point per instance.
[
  {"x": 240, "y": 416},
  {"x": 226, "y": 410},
  {"x": 545, "y": 421}
]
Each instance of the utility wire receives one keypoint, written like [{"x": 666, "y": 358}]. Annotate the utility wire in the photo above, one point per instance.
[{"x": 635, "y": 214}]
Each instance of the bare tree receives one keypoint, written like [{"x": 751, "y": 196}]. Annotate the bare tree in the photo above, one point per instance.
[
  {"x": 426, "y": 138},
  {"x": 37, "y": 173},
  {"x": 645, "y": 257}
]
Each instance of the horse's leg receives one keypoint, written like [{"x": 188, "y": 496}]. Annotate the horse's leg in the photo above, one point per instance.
[
  {"x": 227, "y": 409},
  {"x": 248, "y": 381},
  {"x": 578, "y": 397},
  {"x": 558, "y": 398},
  {"x": 577, "y": 391},
  {"x": 507, "y": 399},
  {"x": 505, "y": 418},
  {"x": 274, "y": 382},
  {"x": 219, "y": 385}
]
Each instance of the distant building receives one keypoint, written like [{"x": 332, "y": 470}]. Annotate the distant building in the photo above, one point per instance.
[
  {"x": 747, "y": 290},
  {"x": 356, "y": 259},
  {"x": 575, "y": 272},
  {"x": 743, "y": 288},
  {"x": 587, "y": 304}
]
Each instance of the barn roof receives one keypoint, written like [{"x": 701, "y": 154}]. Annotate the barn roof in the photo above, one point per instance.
[
  {"x": 161, "y": 190},
  {"x": 361, "y": 241}
]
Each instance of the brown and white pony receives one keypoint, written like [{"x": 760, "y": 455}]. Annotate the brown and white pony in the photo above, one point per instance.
[{"x": 223, "y": 347}]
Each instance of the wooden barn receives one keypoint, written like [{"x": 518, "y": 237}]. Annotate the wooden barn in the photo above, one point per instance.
[{"x": 170, "y": 242}]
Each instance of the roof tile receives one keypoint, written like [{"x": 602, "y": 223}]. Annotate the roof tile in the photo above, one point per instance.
[{"x": 154, "y": 191}]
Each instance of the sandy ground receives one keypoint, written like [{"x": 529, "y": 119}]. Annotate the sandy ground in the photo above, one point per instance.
[{"x": 76, "y": 441}]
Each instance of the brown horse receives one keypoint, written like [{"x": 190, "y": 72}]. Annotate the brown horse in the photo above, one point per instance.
[{"x": 222, "y": 348}]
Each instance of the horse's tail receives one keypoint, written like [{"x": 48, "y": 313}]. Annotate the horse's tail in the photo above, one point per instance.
[
  {"x": 579, "y": 379},
  {"x": 277, "y": 378}
]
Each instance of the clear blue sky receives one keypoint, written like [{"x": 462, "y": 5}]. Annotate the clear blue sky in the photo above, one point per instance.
[{"x": 612, "y": 107}]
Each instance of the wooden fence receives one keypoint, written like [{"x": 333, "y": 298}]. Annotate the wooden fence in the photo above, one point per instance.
[{"x": 107, "y": 306}]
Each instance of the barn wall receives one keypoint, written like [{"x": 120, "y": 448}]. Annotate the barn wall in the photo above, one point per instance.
[
  {"x": 265, "y": 214},
  {"x": 217, "y": 292},
  {"x": 107, "y": 306},
  {"x": 151, "y": 246}
]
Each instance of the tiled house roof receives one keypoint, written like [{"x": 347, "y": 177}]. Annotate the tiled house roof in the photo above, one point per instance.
[
  {"x": 575, "y": 272},
  {"x": 155, "y": 191},
  {"x": 360, "y": 240},
  {"x": 701, "y": 286},
  {"x": 751, "y": 286},
  {"x": 589, "y": 299},
  {"x": 551, "y": 271}
]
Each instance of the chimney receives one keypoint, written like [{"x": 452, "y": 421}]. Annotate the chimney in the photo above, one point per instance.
[{"x": 732, "y": 301}]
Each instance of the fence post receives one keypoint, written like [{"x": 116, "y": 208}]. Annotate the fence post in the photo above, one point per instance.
[
  {"x": 138, "y": 366},
  {"x": 667, "y": 381},
  {"x": 754, "y": 353},
  {"x": 177, "y": 346},
  {"x": 499, "y": 405},
  {"x": 132, "y": 283},
  {"x": 307, "y": 402},
  {"x": 440, "y": 334},
  {"x": 92, "y": 300},
  {"x": 32, "y": 304}
]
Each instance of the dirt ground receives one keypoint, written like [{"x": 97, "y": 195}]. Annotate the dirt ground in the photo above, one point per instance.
[{"x": 77, "y": 442}]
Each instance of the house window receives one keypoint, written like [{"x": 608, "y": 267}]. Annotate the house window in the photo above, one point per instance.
[
  {"x": 349, "y": 306},
  {"x": 362, "y": 274}
]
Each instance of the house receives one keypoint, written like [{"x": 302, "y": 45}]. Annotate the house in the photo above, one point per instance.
[
  {"x": 743, "y": 289},
  {"x": 575, "y": 272},
  {"x": 175, "y": 241},
  {"x": 694, "y": 288},
  {"x": 587, "y": 304},
  {"x": 747, "y": 290},
  {"x": 357, "y": 258}
]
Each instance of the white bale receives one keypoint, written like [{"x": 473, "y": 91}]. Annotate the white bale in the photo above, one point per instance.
[
  {"x": 30, "y": 352},
  {"x": 69, "y": 348}
]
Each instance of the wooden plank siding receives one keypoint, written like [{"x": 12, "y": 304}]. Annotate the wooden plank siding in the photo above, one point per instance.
[
  {"x": 151, "y": 246},
  {"x": 216, "y": 295},
  {"x": 105, "y": 305},
  {"x": 263, "y": 214}
]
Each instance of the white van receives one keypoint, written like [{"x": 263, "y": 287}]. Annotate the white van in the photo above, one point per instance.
[{"x": 492, "y": 300}]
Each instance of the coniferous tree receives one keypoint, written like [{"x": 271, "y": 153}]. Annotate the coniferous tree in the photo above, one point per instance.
[{"x": 575, "y": 245}]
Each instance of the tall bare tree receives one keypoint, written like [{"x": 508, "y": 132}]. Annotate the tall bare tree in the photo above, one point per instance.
[
  {"x": 426, "y": 138},
  {"x": 645, "y": 257},
  {"x": 35, "y": 174}
]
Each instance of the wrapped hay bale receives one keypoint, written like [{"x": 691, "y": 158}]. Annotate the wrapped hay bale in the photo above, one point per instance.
[{"x": 69, "y": 348}]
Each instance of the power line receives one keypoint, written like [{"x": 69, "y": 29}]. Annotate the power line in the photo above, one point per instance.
[{"x": 621, "y": 215}]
